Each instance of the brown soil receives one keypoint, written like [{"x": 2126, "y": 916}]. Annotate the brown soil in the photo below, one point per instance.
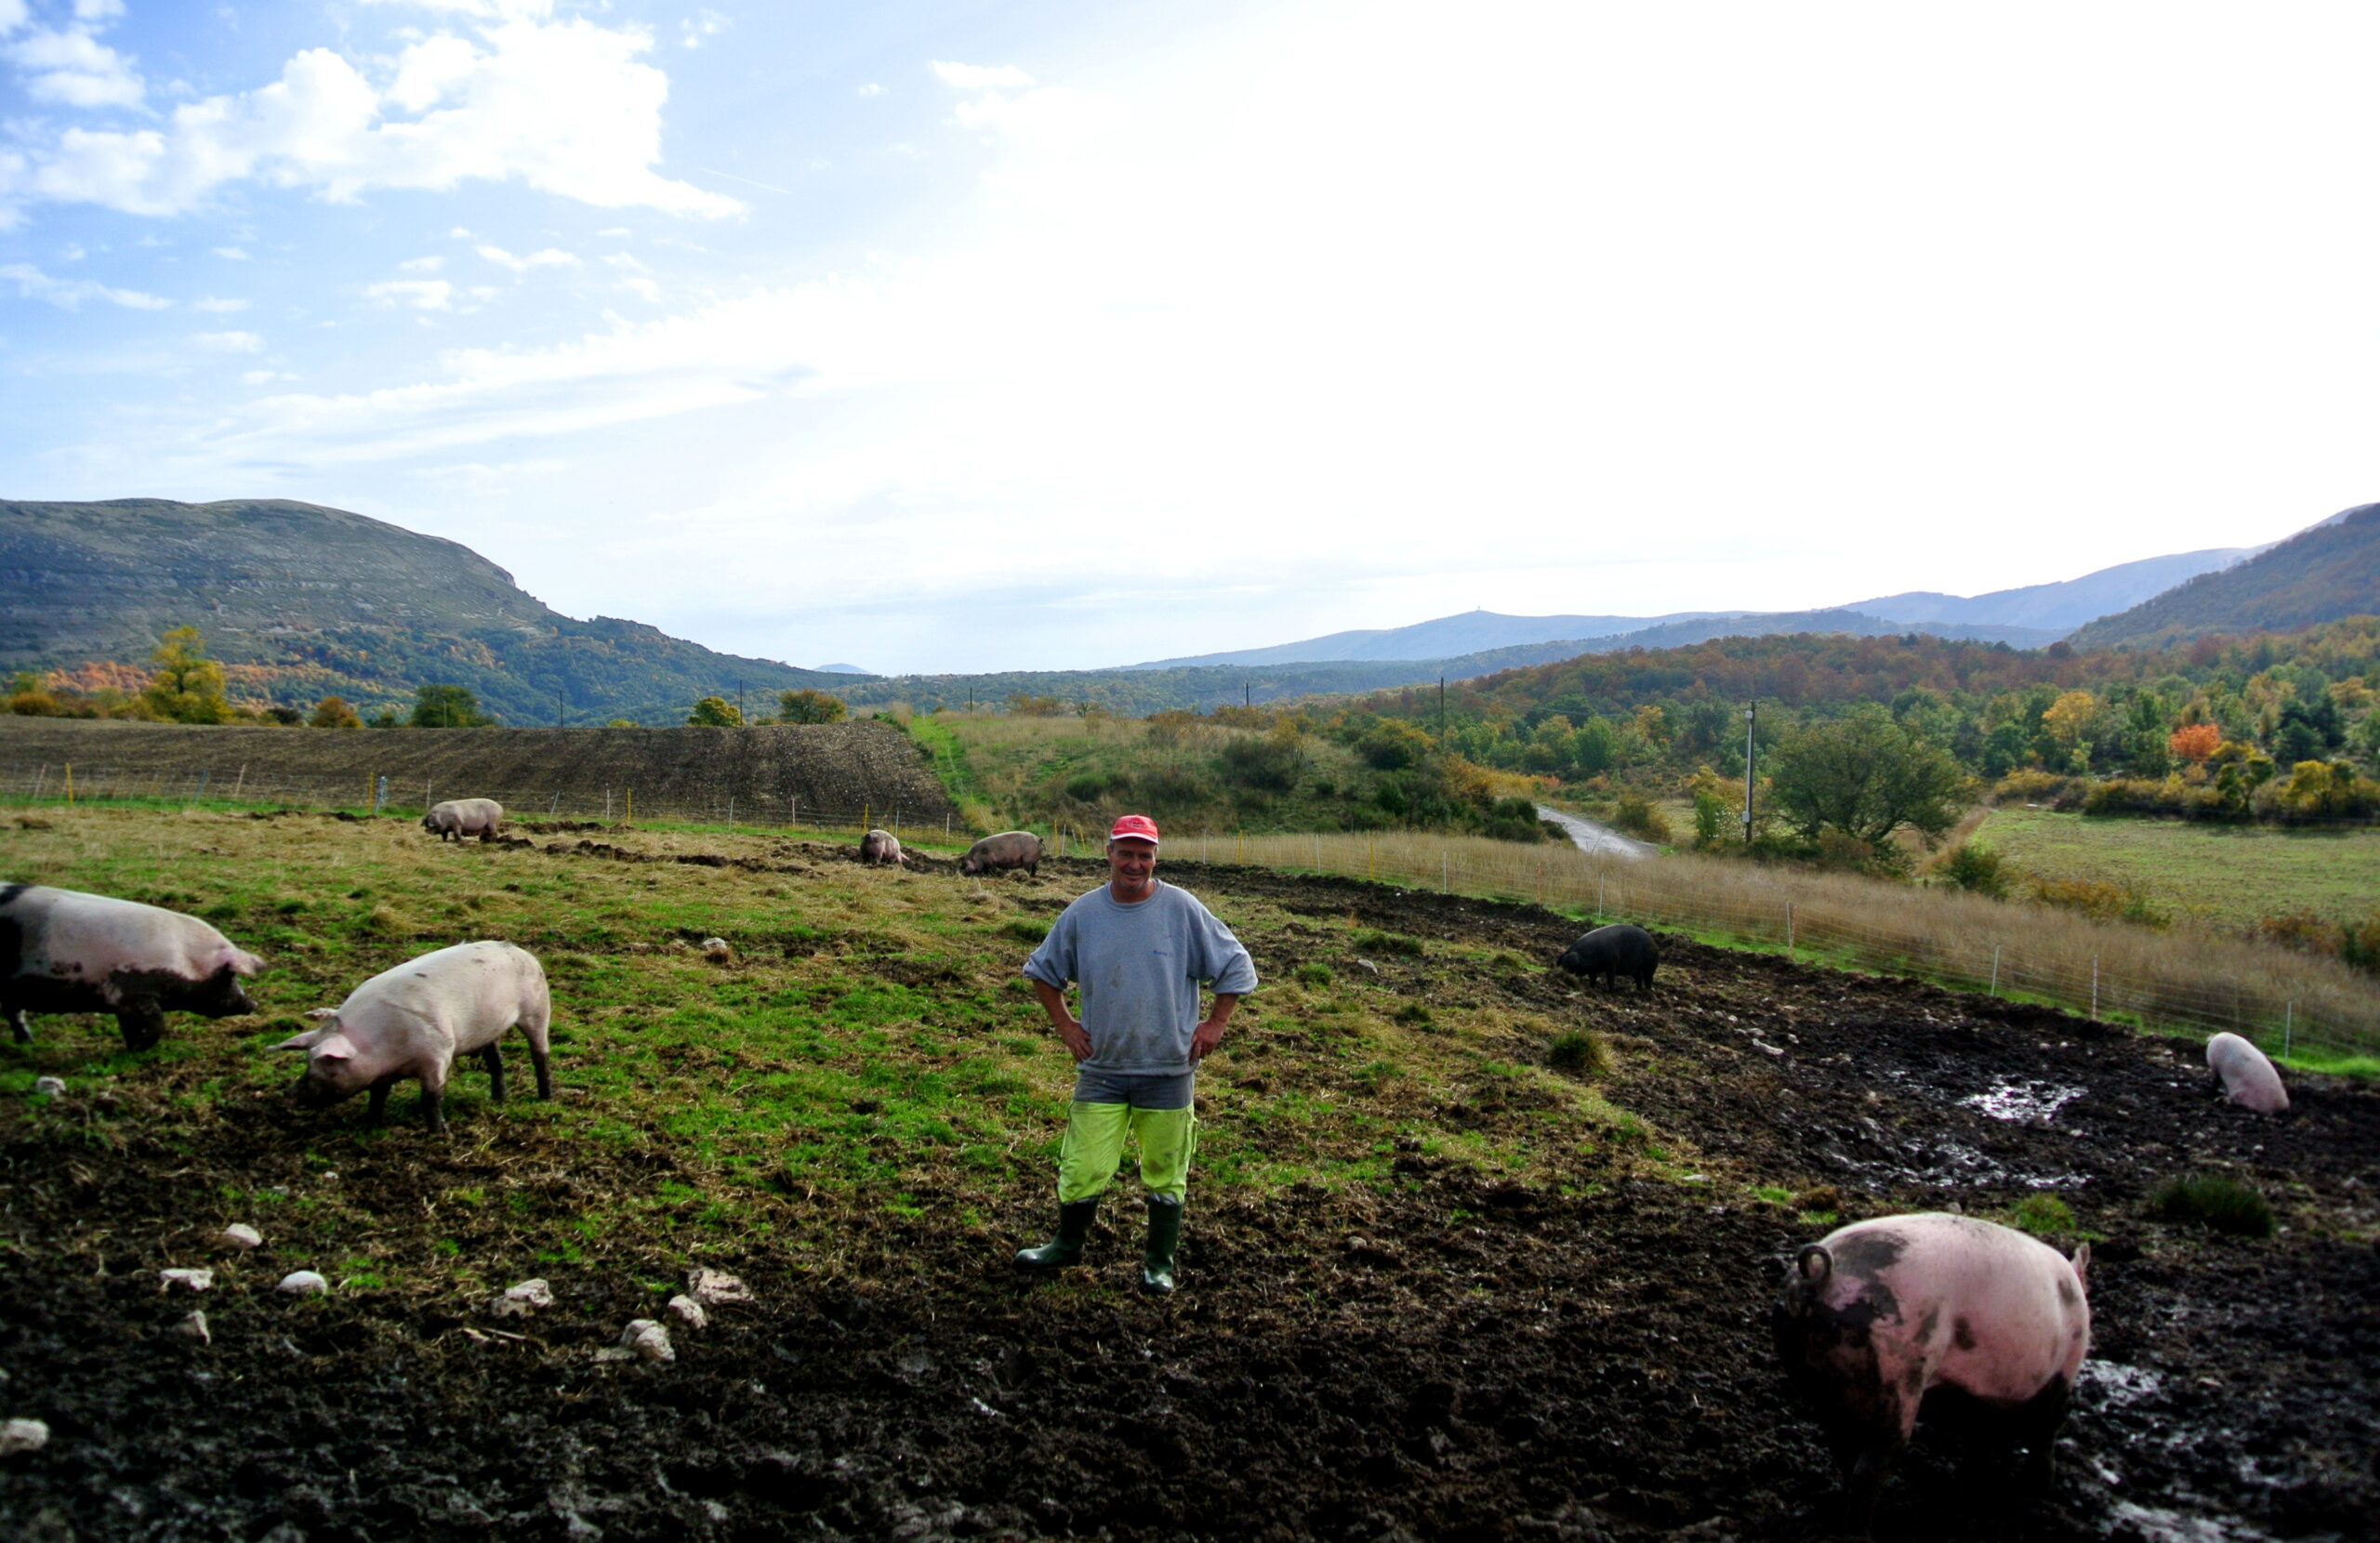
[
  {"x": 837, "y": 769},
  {"x": 1586, "y": 1360}
]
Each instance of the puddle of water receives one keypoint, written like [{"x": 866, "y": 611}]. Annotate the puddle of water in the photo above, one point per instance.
[
  {"x": 2022, "y": 1099},
  {"x": 2154, "y": 1524},
  {"x": 2112, "y": 1384}
]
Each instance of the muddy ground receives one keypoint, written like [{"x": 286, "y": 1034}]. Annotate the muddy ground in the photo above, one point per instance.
[{"x": 1452, "y": 1361}]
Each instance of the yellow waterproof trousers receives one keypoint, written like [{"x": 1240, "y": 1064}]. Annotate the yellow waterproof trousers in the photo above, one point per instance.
[{"x": 1094, "y": 1144}]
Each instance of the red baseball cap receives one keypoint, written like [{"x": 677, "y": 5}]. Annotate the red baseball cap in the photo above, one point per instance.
[{"x": 1134, "y": 828}]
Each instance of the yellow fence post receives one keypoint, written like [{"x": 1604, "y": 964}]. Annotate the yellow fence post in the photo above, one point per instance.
[{"x": 70, "y": 785}]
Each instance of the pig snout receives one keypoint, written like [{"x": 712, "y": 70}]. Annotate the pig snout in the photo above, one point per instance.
[{"x": 315, "y": 1092}]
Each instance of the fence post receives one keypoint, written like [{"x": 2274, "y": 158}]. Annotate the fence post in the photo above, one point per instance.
[
  {"x": 39, "y": 777},
  {"x": 70, "y": 785},
  {"x": 2288, "y": 1026},
  {"x": 240, "y": 782},
  {"x": 1444, "y": 887},
  {"x": 1789, "y": 929},
  {"x": 1599, "y": 879},
  {"x": 607, "y": 806},
  {"x": 204, "y": 772},
  {"x": 554, "y": 808},
  {"x": 731, "y": 814},
  {"x": 1995, "y": 969},
  {"x": 631, "y": 814},
  {"x": 2094, "y": 987},
  {"x": 380, "y": 795}
]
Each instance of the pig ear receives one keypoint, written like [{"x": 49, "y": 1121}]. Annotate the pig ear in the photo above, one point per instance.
[
  {"x": 321, "y": 1014},
  {"x": 303, "y": 1041},
  {"x": 2082, "y": 1264},
  {"x": 1813, "y": 1264},
  {"x": 244, "y": 963},
  {"x": 333, "y": 1046}
]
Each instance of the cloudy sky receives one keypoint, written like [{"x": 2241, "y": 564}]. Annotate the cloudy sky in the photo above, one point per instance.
[{"x": 974, "y": 335}]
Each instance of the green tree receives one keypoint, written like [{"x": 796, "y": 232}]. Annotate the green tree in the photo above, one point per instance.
[
  {"x": 333, "y": 712},
  {"x": 448, "y": 707},
  {"x": 1866, "y": 777},
  {"x": 1393, "y": 744},
  {"x": 188, "y": 686},
  {"x": 809, "y": 707},
  {"x": 715, "y": 712}
]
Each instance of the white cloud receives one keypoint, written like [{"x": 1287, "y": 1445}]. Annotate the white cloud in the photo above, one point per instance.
[
  {"x": 564, "y": 107},
  {"x": 232, "y": 253},
  {"x": 871, "y": 89},
  {"x": 229, "y": 342},
  {"x": 69, "y": 294},
  {"x": 73, "y": 69},
  {"x": 13, "y": 14},
  {"x": 489, "y": 9},
  {"x": 72, "y": 252},
  {"x": 549, "y": 257},
  {"x": 215, "y": 305},
  {"x": 420, "y": 293},
  {"x": 699, "y": 27},
  {"x": 264, "y": 378},
  {"x": 97, "y": 11},
  {"x": 430, "y": 264},
  {"x": 982, "y": 77}
]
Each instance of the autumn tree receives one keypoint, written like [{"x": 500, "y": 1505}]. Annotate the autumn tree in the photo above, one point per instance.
[
  {"x": 809, "y": 707},
  {"x": 188, "y": 686},
  {"x": 715, "y": 712},
  {"x": 1865, "y": 777},
  {"x": 448, "y": 707},
  {"x": 2194, "y": 742},
  {"x": 333, "y": 712}
]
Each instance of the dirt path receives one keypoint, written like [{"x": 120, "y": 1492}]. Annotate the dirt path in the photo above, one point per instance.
[{"x": 1444, "y": 1360}]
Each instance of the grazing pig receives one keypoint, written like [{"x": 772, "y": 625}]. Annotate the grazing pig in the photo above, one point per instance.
[
  {"x": 460, "y": 819},
  {"x": 1610, "y": 955},
  {"x": 63, "y": 951},
  {"x": 1880, "y": 1314},
  {"x": 2248, "y": 1078},
  {"x": 1010, "y": 848},
  {"x": 881, "y": 847},
  {"x": 413, "y": 1021}
]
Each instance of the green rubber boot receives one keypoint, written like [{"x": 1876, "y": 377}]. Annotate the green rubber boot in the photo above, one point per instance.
[
  {"x": 1075, "y": 1218},
  {"x": 1157, "y": 1256}
]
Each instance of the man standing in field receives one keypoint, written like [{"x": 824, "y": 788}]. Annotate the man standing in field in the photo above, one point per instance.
[{"x": 1139, "y": 947}]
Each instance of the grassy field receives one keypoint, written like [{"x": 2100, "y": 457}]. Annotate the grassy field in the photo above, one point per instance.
[
  {"x": 2223, "y": 877},
  {"x": 869, "y": 1043}
]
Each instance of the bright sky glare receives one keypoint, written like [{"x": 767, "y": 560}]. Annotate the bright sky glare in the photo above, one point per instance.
[{"x": 975, "y": 336}]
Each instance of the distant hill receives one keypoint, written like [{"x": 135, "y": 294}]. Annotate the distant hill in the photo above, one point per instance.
[
  {"x": 2321, "y": 575},
  {"x": 301, "y": 602},
  {"x": 2058, "y": 608},
  {"x": 2027, "y": 617}
]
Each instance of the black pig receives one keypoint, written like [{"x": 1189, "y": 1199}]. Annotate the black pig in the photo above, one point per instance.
[{"x": 1610, "y": 955}]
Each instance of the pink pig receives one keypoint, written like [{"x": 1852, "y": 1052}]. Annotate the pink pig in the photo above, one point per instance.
[
  {"x": 2248, "y": 1078},
  {"x": 63, "y": 951},
  {"x": 413, "y": 1021},
  {"x": 1882, "y": 1313}
]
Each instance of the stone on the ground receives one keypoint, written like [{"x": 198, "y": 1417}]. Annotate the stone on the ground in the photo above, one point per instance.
[
  {"x": 716, "y": 948},
  {"x": 689, "y": 1312},
  {"x": 303, "y": 1283},
  {"x": 711, "y": 1287},
  {"x": 648, "y": 1339},
  {"x": 48, "y": 1088},
  {"x": 22, "y": 1435},
  {"x": 519, "y": 1302},
  {"x": 194, "y": 1328},
  {"x": 194, "y": 1280},
  {"x": 239, "y": 1236}
]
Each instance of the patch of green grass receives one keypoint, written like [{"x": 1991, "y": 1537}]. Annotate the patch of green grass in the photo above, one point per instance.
[
  {"x": 2363, "y": 1068},
  {"x": 1371, "y": 941},
  {"x": 1581, "y": 1055},
  {"x": 2224, "y": 876},
  {"x": 2042, "y": 1215},
  {"x": 1314, "y": 972},
  {"x": 2216, "y": 1200}
]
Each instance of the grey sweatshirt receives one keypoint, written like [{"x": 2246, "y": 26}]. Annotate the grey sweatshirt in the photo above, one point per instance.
[{"x": 1140, "y": 967}]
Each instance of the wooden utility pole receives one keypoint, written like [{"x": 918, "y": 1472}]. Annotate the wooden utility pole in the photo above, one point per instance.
[{"x": 1750, "y": 709}]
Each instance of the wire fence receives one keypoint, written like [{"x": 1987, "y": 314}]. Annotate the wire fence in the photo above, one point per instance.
[
  {"x": 2179, "y": 981},
  {"x": 240, "y": 787}
]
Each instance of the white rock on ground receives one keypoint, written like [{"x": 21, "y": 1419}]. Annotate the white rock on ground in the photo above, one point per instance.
[
  {"x": 649, "y": 1340},
  {"x": 196, "y": 1280},
  {"x": 239, "y": 1237},
  {"x": 716, "y": 948},
  {"x": 689, "y": 1312},
  {"x": 303, "y": 1283},
  {"x": 194, "y": 1328},
  {"x": 711, "y": 1287},
  {"x": 519, "y": 1302},
  {"x": 22, "y": 1435},
  {"x": 48, "y": 1088}
]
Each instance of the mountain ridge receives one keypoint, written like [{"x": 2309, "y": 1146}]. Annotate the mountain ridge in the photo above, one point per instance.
[{"x": 2325, "y": 571}]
